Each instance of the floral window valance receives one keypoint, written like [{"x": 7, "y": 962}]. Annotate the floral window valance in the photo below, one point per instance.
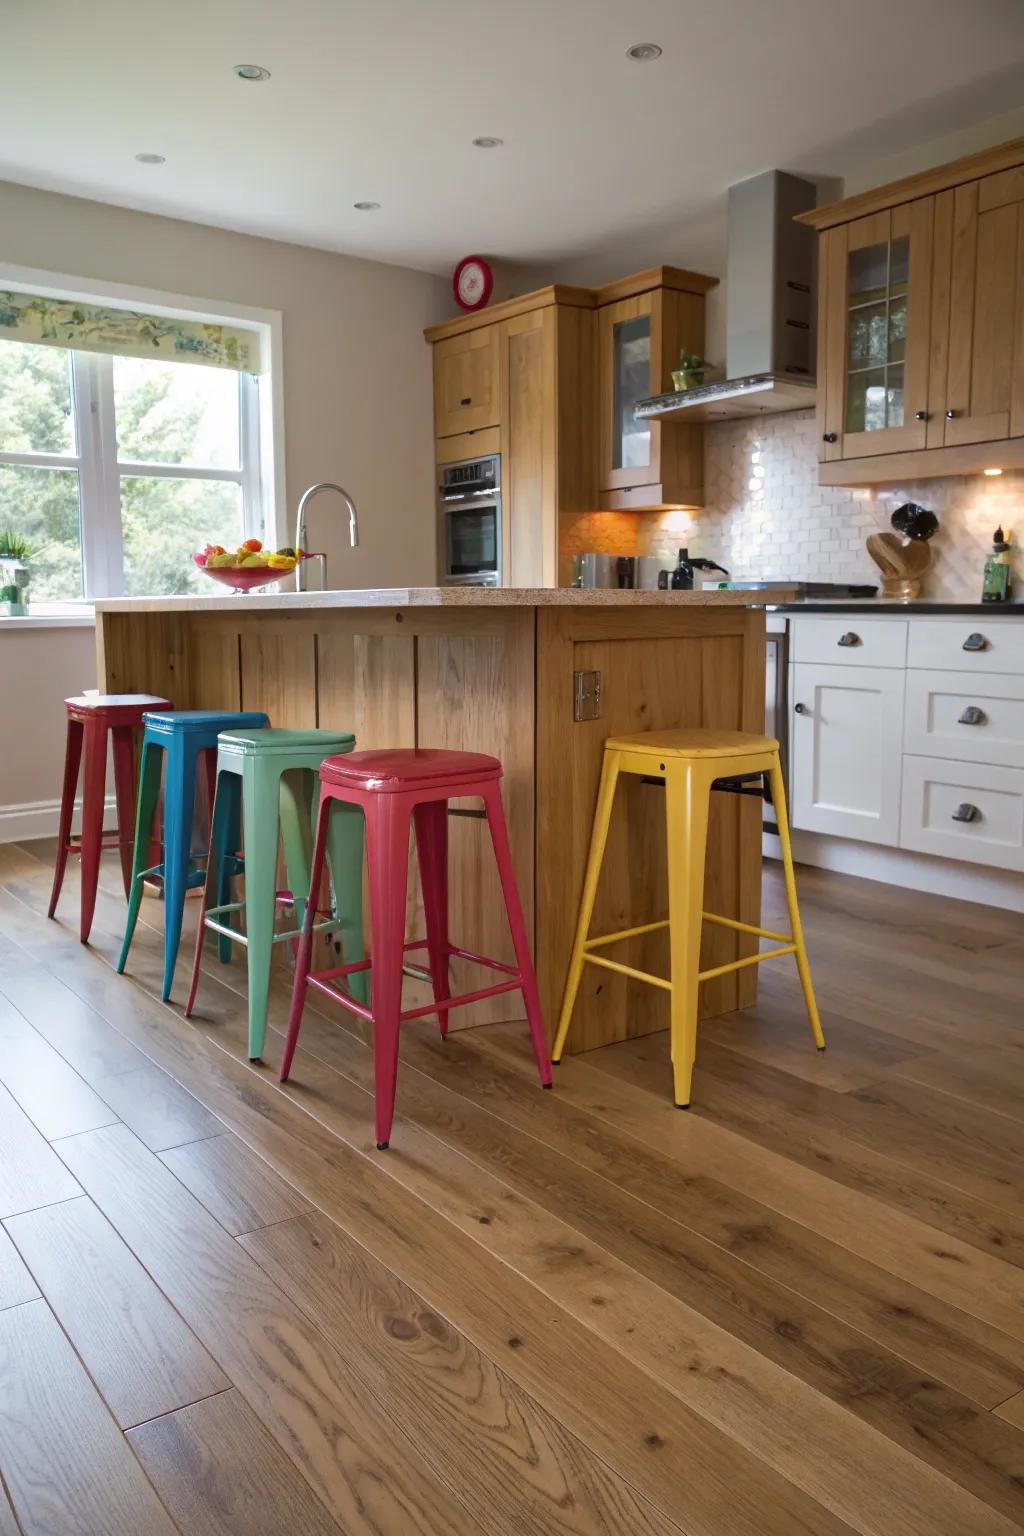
[{"x": 126, "y": 332}]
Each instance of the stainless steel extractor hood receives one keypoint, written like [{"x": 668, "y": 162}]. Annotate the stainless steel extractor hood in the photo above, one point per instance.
[{"x": 770, "y": 308}]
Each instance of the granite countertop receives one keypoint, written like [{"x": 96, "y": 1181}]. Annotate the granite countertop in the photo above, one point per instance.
[
  {"x": 869, "y": 605},
  {"x": 442, "y": 597}
]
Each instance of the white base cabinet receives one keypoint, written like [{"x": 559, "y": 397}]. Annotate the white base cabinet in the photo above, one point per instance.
[{"x": 846, "y": 736}]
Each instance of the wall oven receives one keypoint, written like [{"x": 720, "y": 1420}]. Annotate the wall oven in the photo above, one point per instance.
[{"x": 469, "y": 512}]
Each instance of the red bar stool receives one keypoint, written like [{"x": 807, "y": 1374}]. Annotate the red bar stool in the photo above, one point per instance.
[
  {"x": 394, "y": 787},
  {"x": 91, "y": 716}
]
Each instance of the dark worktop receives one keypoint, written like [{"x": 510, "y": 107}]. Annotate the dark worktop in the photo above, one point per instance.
[{"x": 869, "y": 605}]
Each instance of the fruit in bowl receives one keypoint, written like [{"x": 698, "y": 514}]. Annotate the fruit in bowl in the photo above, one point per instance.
[{"x": 250, "y": 565}]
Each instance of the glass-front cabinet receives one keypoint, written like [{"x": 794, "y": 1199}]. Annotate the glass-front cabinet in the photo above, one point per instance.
[{"x": 878, "y": 298}]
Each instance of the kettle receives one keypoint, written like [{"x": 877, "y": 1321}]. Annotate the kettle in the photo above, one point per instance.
[{"x": 681, "y": 579}]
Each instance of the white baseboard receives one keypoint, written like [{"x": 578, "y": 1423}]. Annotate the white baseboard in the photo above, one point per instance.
[
  {"x": 912, "y": 871},
  {"x": 41, "y": 818}
]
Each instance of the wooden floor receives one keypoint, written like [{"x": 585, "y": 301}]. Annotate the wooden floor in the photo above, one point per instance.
[{"x": 797, "y": 1309}]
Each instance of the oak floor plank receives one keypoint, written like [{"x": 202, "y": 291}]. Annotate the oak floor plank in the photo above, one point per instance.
[
  {"x": 55, "y": 1098},
  {"x": 67, "y": 1467},
  {"x": 991, "y": 1080},
  {"x": 1013, "y": 1410},
  {"x": 159, "y": 1110},
  {"x": 354, "y": 1457},
  {"x": 235, "y": 1185},
  {"x": 31, "y": 1173},
  {"x": 16, "y": 1284},
  {"x": 8, "y": 1525},
  {"x": 140, "y": 1354},
  {"x": 451, "y": 1398},
  {"x": 220, "y": 1474}
]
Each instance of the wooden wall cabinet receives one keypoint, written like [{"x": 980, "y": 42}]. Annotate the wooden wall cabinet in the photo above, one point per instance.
[
  {"x": 921, "y": 324},
  {"x": 466, "y": 383}
]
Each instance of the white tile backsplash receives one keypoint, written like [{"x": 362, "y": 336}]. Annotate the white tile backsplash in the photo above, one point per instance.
[{"x": 766, "y": 515}]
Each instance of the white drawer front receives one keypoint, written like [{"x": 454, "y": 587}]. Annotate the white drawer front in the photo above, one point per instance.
[
  {"x": 970, "y": 719},
  {"x": 937, "y": 793},
  {"x": 850, "y": 640},
  {"x": 939, "y": 643}
]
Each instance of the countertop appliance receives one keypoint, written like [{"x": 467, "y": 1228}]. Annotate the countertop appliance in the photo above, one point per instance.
[
  {"x": 597, "y": 570},
  {"x": 469, "y": 522}
]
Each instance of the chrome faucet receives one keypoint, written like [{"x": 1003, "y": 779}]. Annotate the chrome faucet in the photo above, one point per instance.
[{"x": 300, "y": 528}]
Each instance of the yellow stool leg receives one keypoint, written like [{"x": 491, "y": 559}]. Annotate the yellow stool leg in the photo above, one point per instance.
[
  {"x": 687, "y": 795},
  {"x": 778, "y": 789},
  {"x": 598, "y": 839}
]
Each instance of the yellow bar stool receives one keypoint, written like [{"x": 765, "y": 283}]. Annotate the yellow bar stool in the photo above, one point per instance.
[{"x": 689, "y": 763}]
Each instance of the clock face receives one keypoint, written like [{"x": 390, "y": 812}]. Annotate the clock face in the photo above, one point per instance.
[{"x": 472, "y": 282}]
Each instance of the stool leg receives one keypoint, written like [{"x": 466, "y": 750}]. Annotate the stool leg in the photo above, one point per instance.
[
  {"x": 300, "y": 986},
  {"x": 431, "y": 821},
  {"x": 261, "y": 821},
  {"x": 145, "y": 814},
  {"x": 94, "y": 781},
  {"x": 778, "y": 789},
  {"x": 687, "y": 796},
  {"x": 387, "y": 851},
  {"x": 598, "y": 839},
  {"x": 72, "y": 760},
  {"x": 229, "y": 842},
  {"x": 297, "y": 792},
  {"x": 124, "y": 794},
  {"x": 179, "y": 807},
  {"x": 345, "y": 836},
  {"x": 222, "y": 811},
  {"x": 521, "y": 943}
]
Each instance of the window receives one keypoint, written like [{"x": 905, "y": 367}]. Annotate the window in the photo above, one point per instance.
[{"x": 117, "y": 469}]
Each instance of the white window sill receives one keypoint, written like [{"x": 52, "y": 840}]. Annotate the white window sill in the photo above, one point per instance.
[{"x": 52, "y": 616}]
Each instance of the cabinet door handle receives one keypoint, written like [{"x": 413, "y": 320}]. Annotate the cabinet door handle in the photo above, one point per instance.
[
  {"x": 921, "y": 415},
  {"x": 848, "y": 639},
  {"x": 830, "y": 437},
  {"x": 951, "y": 415},
  {"x": 468, "y": 400},
  {"x": 975, "y": 642},
  {"x": 972, "y": 715},
  {"x": 801, "y": 709},
  {"x": 966, "y": 812}
]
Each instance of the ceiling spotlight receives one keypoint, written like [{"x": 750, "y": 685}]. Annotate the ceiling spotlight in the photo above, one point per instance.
[
  {"x": 992, "y": 471},
  {"x": 366, "y": 207},
  {"x": 147, "y": 158},
  {"x": 643, "y": 53},
  {"x": 252, "y": 72},
  {"x": 488, "y": 141}
]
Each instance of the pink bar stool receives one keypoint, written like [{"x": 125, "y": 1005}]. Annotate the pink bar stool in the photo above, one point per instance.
[
  {"x": 394, "y": 788},
  {"x": 91, "y": 718}
]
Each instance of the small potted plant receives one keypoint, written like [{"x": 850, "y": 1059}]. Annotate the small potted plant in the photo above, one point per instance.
[
  {"x": 691, "y": 371},
  {"x": 15, "y": 553}
]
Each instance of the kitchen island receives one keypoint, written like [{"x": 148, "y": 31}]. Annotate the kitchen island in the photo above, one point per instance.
[{"x": 537, "y": 677}]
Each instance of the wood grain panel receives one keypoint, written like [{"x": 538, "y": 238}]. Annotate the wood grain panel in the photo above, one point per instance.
[
  {"x": 220, "y": 1473},
  {"x": 16, "y": 1284},
  {"x": 134, "y": 1345},
  {"x": 31, "y": 1174},
  {"x": 278, "y": 663},
  {"x": 67, "y": 1467},
  {"x": 157, "y": 1108},
  {"x": 54, "y": 1097},
  {"x": 214, "y": 654},
  {"x": 367, "y": 685},
  {"x": 298, "y": 1385},
  {"x": 144, "y": 653},
  {"x": 235, "y": 1186}
]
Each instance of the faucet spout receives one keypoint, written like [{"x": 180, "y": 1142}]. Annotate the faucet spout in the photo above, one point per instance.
[{"x": 300, "y": 526}]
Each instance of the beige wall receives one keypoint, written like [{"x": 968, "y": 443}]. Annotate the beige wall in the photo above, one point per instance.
[
  {"x": 357, "y": 385},
  {"x": 39, "y": 669}
]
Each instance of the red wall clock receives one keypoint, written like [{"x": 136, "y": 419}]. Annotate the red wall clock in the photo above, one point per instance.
[{"x": 472, "y": 282}]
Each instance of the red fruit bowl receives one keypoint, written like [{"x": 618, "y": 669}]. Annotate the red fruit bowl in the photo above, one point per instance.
[{"x": 246, "y": 578}]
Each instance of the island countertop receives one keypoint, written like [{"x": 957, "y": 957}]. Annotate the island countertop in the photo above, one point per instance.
[
  {"x": 222, "y": 601},
  {"x": 537, "y": 677}
]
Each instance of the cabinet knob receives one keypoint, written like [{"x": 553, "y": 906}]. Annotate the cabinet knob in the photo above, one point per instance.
[
  {"x": 830, "y": 437},
  {"x": 801, "y": 709},
  {"x": 972, "y": 715},
  {"x": 966, "y": 812},
  {"x": 468, "y": 400},
  {"x": 975, "y": 642},
  {"x": 921, "y": 415},
  {"x": 848, "y": 639},
  {"x": 951, "y": 415}
]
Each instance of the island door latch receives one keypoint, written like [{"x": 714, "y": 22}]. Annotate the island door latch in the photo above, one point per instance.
[{"x": 586, "y": 695}]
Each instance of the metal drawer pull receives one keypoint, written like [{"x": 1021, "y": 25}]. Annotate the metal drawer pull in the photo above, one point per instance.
[
  {"x": 967, "y": 812},
  {"x": 830, "y": 437},
  {"x": 848, "y": 639},
  {"x": 801, "y": 709},
  {"x": 467, "y": 401},
  {"x": 972, "y": 715},
  {"x": 975, "y": 642}
]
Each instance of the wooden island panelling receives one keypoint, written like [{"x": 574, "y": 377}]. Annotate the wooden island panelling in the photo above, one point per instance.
[{"x": 493, "y": 671}]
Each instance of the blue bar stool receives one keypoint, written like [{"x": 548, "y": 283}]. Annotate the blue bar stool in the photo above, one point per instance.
[{"x": 171, "y": 744}]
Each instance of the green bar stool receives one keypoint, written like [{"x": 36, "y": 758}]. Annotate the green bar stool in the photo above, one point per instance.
[{"x": 274, "y": 774}]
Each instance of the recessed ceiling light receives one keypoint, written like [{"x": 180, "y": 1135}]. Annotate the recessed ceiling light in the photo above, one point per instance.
[
  {"x": 488, "y": 141},
  {"x": 992, "y": 471},
  {"x": 643, "y": 53},
  {"x": 252, "y": 72},
  {"x": 150, "y": 159},
  {"x": 366, "y": 207}
]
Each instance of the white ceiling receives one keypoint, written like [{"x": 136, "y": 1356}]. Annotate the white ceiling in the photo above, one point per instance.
[{"x": 381, "y": 98}]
